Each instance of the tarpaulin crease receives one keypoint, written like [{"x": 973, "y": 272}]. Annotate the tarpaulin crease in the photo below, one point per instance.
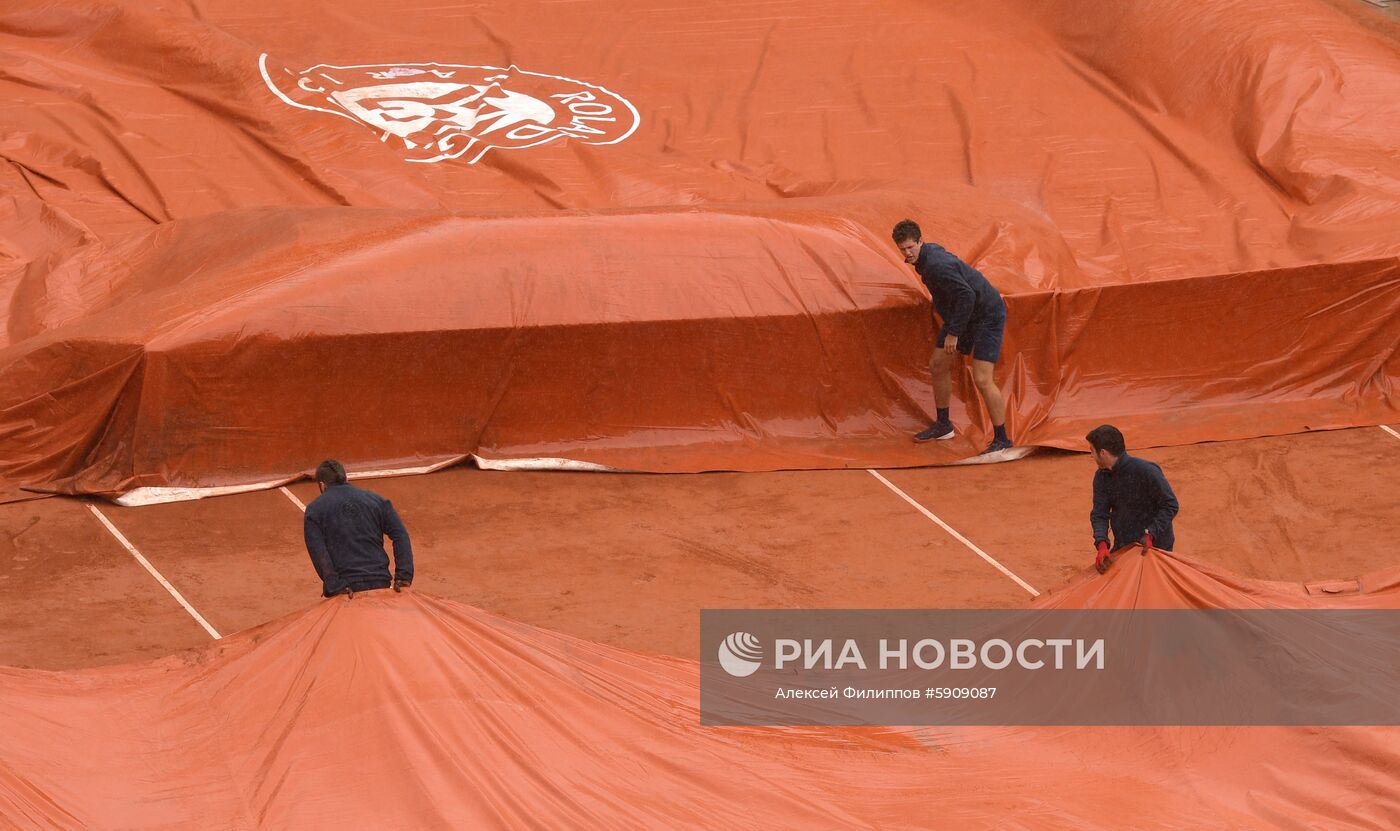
[{"x": 394, "y": 233}]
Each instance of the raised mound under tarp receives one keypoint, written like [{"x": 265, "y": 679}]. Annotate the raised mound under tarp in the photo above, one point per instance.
[
  {"x": 407, "y": 711},
  {"x": 237, "y": 239}
]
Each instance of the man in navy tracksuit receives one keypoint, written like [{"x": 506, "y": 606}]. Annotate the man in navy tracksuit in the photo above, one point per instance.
[
  {"x": 974, "y": 318},
  {"x": 345, "y": 528},
  {"x": 1131, "y": 495}
]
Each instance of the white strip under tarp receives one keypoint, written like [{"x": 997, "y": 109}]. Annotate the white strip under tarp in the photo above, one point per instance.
[
  {"x": 140, "y": 497},
  {"x": 542, "y": 463},
  {"x": 1010, "y": 454},
  {"x": 160, "y": 495}
]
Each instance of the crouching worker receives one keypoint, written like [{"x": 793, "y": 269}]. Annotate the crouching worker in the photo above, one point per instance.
[
  {"x": 345, "y": 528},
  {"x": 1131, "y": 496}
]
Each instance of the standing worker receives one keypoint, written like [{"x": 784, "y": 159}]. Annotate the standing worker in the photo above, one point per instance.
[
  {"x": 345, "y": 529},
  {"x": 974, "y": 318},
  {"x": 1131, "y": 495}
]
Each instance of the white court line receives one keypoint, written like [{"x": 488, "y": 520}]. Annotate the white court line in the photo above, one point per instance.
[
  {"x": 959, "y": 537},
  {"x": 179, "y": 598},
  {"x": 1390, "y": 431},
  {"x": 293, "y": 497}
]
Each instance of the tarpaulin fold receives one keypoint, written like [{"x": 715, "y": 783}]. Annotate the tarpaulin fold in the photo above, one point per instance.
[
  {"x": 406, "y": 710},
  {"x": 393, "y": 233}
]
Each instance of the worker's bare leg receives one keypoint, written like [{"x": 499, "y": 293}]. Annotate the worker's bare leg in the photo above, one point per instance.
[
  {"x": 941, "y": 365},
  {"x": 982, "y": 376}
]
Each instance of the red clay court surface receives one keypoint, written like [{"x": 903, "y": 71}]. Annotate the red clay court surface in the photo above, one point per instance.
[
  {"x": 237, "y": 238},
  {"x": 628, "y": 560}
]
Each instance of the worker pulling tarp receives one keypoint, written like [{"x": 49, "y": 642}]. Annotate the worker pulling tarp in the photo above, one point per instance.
[{"x": 404, "y": 710}]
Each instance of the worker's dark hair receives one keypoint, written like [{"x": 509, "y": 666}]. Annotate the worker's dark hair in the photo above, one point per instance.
[
  {"x": 1106, "y": 437},
  {"x": 906, "y": 229},
  {"x": 330, "y": 472}
]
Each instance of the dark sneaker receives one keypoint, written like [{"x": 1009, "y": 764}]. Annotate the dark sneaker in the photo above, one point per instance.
[
  {"x": 937, "y": 431},
  {"x": 997, "y": 446}
]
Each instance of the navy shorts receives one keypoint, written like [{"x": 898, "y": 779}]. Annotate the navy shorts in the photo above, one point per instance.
[{"x": 983, "y": 339}]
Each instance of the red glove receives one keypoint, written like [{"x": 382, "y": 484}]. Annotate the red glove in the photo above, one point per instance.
[
  {"x": 1146, "y": 542},
  {"x": 1102, "y": 561}
]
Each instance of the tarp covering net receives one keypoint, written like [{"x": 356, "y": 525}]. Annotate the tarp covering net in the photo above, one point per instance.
[
  {"x": 238, "y": 238},
  {"x": 408, "y": 711}
]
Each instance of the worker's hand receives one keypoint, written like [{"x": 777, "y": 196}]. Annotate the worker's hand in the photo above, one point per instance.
[
  {"x": 1146, "y": 542},
  {"x": 400, "y": 585},
  {"x": 950, "y": 344},
  {"x": 1102, "y": 561}
]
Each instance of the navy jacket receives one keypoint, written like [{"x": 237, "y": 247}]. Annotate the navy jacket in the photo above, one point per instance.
[
  {"x": 960, "y": 292},
  {"x": 345, "y": 529},
  {"x": 1133, "y": 497}
]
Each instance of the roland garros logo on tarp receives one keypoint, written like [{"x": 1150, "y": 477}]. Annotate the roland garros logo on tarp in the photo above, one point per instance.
[{"x": 433, "y": 112}]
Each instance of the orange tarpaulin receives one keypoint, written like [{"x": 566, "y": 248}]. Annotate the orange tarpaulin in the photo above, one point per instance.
[
  {"x": 391, "y": 711},
  {"x": 235, "y": 240}
]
